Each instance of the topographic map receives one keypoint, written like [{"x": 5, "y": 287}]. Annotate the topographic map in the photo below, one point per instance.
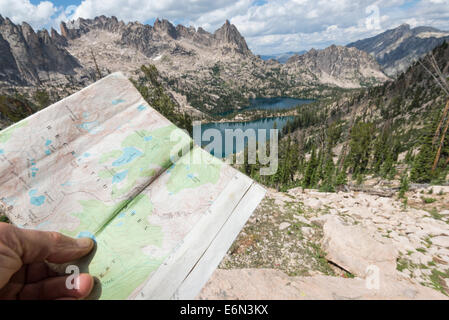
[{"x": 103, "y": 164}]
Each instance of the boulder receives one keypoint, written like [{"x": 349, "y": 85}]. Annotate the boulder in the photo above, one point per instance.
[
  {"x": 354, "y": 249},
  {"x": 441, "y": 241},
  {"x": 284, "y": 225},
  {"x": 270, "y": 284}
]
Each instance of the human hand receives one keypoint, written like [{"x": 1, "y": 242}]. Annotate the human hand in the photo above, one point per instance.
[{"x": 24, "y": 274}]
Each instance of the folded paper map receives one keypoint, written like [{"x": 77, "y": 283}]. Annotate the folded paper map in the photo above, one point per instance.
[{"x": 103, "y": 164}]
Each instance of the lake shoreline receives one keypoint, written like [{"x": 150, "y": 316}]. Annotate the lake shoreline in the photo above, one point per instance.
[{"x": 251, "y": 113}]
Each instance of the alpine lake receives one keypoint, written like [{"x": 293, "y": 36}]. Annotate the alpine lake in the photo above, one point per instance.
[{"x": 280, "y": 103}]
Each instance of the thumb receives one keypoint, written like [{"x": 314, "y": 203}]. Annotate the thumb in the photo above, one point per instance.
[{"x": 38, "y": 246}]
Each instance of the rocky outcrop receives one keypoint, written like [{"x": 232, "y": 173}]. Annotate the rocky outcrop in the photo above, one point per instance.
[
  {"x": 34, "y": 57},
  {"x": 151, "y": 40},
  {"x": 8, "y": 67},
  {"x": 270, "y": 284},
  {"x": 229, "y": 34},
  {"x": 370, "y": 247},
  {"x": 20, "y": 50},
  {"x": 76, "y": 28},
  {"x": 58, "y": 39},
  {"x": 355, "y": 250},
  {"x": 165, "y": 27},
  {"x": 217, "y": 71},
  {"x": 399, "y": 48},
  {"x": 337, "y": 66}
]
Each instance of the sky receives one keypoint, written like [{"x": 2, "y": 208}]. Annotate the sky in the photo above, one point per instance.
[{"x": 269, "y": 26}]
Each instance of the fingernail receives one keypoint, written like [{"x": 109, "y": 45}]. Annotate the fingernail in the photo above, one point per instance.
[{"x": 84, "y": 242}]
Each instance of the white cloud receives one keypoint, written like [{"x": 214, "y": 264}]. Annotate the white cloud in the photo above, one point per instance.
[
  {"x": 269, "y": 26},
  {"x": 23, "y": 10},
  {"x": 174, "y": 10}
]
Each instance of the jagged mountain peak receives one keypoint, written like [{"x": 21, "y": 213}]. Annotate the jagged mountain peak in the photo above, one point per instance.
[
  {"x": 165, "y": 26},
  {"x": 142, "y": 36},
  {"x": 229, "y": 33},
  {"x": 177, "y": 51},
  {"x": 338, "y": 66},
  {"x": 33, "y": 56},
  {"x": 396, "y": 49},
  {"x": 404, "y": 26}
]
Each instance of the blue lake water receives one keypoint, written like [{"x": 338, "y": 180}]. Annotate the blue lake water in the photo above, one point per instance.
[
  {"x": 266, "y": 124},
  {"x": 129, "y": 154},
  {"x": 36, "y": 200},
  {"x": 278, "y": 103}
]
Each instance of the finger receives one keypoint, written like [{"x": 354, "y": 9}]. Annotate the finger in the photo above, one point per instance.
[
  {"x": 39, "y": 271},
  {"x": 14, "y": 286},
  {"x": 56, "y": 288},
  {"x": 38, "y": 246}
]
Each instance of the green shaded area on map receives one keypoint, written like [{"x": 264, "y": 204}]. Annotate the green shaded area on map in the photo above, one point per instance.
[
  {"x": 191, "y": 172},
  {"x": 143, "y": 155},
  {"x": 119, "y": 262},
  {"x": 94, "y": 215},
  {"x": 5, "y": 135}
]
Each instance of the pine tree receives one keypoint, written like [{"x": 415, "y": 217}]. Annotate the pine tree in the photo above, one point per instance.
[
  {"x": 309, "y": 175},
  {"x": 404, "y": 187},
  {"x": 341, "y": 178},
  {"x": 327, "y": 184},
  {"x": 422, "y": 165},
  {"x": 360, "y": 147}
]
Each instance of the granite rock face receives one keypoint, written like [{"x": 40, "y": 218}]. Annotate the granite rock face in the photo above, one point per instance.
[
  {"x": 152, "y": 39},
  {"x": 353, "y": 249},
  {"x": 338, "y": 66},
  {"x": 229, "y": 34},
  {"x": 9, "y": 71},
  {"x": 32, "y": 57},
  {"x": 270, "y": 284}
]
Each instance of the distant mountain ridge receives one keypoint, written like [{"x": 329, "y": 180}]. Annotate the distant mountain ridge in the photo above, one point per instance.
[
  {"x": 398, "y": 48},
  {"x": 340, "y": 66},
  {"x": 212, "y": 72},
  {"x": 140, "y": 36},
  {"x": 282, "y": 57}
]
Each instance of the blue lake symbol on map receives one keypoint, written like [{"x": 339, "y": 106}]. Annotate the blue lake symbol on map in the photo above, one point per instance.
[
  {"x": 141, "y": 107},
  {"x": 36, "y": 200},
  {"x": 118, "y": 101},
  {"x": 34, "y": 170},
  {"x": 2, "y": 151},
  {"x": 92, "y": 127},
  {"x": 122, "y": 215},
  {"x": 47, "y": 143},
  {"x": 67, "y": 184},
  {"x": 170, "y": 169},
  {"x": 129, "y": 155},
  {"x": 86, "y": 234},
  {"x": 119, "y": 177}
]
